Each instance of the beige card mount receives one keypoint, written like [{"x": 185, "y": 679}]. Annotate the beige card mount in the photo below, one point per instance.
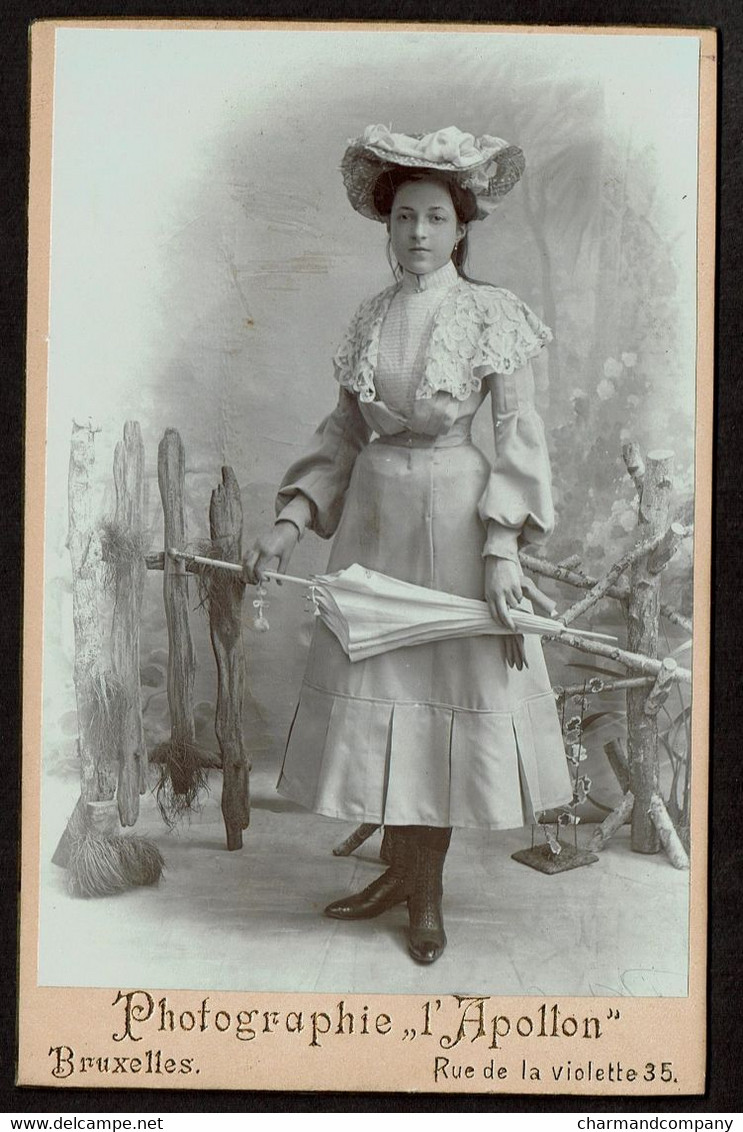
[{"x": 193, "y": 266}]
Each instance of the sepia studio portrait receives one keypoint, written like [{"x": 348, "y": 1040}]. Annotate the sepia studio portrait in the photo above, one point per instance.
[{"x": 408, "y": 315}]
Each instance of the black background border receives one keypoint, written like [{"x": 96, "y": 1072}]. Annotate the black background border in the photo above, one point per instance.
[{"x": 725, "y": 1062}]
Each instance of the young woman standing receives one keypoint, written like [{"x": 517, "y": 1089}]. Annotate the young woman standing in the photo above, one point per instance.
[{"x": 458, "y": 732}]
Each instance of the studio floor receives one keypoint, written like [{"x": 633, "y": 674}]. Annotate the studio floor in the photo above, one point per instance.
[{"x": 252, "y": 919}]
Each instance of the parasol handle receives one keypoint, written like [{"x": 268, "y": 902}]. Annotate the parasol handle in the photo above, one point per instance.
[
  {"x": 202, "y": 560},
  {"x": 233, "y": 567},
  {"x": 529, "y": 589}
]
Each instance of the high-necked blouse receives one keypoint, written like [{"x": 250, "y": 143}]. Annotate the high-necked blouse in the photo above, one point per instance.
[
  {"x": 404, "y": 334},
  {"x": 420, "y": 358}
]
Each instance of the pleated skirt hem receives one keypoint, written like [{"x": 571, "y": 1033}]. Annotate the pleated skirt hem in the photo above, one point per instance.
[{"x": 404, "y": 763}]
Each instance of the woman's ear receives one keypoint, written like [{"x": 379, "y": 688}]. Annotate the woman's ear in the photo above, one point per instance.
[{"x": 461, "y": 230}]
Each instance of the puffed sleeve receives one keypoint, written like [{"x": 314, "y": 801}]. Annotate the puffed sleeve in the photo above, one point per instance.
[
  {"x": 516, "y": 505},
  {"x": 314, "y": 488}
]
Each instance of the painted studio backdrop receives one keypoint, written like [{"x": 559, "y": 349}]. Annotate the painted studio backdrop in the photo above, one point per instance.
[{"x": 205, "y": 262}]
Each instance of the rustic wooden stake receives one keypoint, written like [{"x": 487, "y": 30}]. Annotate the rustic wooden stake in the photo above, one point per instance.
[
  {"x": 171, "y": 474},
  {"x": 98, "y": 764},
  {"x": 642, "y": 637},
  {"x": 130, "y": 579},
  {"x": 225, "y": 621}
]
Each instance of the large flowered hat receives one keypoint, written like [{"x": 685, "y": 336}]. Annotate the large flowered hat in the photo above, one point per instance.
[{"x": 489, "y": 167}]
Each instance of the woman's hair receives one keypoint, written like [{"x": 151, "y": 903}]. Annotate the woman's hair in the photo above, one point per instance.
[{"x": 465, "y": 205}]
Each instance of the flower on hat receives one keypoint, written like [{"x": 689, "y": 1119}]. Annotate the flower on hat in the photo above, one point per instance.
[
  {"x": 449, "y": 146},
  {"x": 487, "y": 166}
]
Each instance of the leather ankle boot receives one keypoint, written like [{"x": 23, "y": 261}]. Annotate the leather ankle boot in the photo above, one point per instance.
[
  {"x": 391, "y": 888},
  {"x": 427, "y": 938}
]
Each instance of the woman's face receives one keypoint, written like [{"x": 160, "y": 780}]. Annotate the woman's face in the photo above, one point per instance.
[{"x": 423, "y": 226}]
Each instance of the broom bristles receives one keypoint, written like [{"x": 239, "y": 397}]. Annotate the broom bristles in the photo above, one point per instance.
[
  {"x": 215, "y": 588},
  {"x": 121, "y": 546},
  {"x": 110, "y": 708},
  {"x": 104, "y": 865},
  {"x": 184, "y": 778}
]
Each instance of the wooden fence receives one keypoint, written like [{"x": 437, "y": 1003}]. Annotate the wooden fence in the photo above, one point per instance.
[{"x": 114, "y": 757}]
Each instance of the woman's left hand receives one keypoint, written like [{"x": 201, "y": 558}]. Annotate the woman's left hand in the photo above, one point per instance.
[{"x": 503, "y": 593}]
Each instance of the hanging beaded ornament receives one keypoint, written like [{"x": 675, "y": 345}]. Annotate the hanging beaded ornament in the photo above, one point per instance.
[{"x": 260, "y": 622}]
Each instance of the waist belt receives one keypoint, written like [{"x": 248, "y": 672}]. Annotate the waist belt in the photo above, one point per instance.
[{"x": 407, "y": 439}]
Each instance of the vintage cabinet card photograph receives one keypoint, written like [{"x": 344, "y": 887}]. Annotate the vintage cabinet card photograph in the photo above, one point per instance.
[{"x": 368, "y": 497}]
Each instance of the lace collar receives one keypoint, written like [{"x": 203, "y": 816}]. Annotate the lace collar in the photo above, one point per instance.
[{"x": 477, "y": 330}]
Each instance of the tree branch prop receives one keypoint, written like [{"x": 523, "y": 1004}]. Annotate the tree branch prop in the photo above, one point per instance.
[
  {"x": 573, "y": 562},
  {"x": 643, "y": 615},
  {"x": 676, "y": 618},
  {"x": 669, "y": 839},
  {"x": 611, "y": 824},
  {"x": 361, "y": 834},
  {"x": 664, "y": 681},
  {"x": 561, "y": 573},
  {"x": 617, "y": 757},
  {"x": 668, "y": 546},
  {"x": 634, "y": 464},
  {"x": 610, "y": 577},
  {"x": 586, "y": 688},
  {"x": 636, "y": 661}
]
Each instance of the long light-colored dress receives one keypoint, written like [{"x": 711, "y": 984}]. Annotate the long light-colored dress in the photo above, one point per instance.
[{"x": 441, "y": 734}]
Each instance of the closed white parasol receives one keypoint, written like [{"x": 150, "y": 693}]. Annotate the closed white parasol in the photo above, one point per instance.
[{"x": 371, "y": 613}]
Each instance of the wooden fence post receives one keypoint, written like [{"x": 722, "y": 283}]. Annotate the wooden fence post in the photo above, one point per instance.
[
  {"x": 130, "y": 579},
  {"x": 171, "y": 474},
  {"x": 642, "y": 637},
  {"x": 98, "y": 763},
  {"x": 225, "y": 624}
]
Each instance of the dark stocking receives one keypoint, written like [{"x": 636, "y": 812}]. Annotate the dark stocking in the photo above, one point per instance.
[{"x": 427, "y": 938}]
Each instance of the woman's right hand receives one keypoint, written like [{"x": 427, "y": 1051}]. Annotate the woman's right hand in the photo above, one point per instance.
[{"x": 278, "y": 543}]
